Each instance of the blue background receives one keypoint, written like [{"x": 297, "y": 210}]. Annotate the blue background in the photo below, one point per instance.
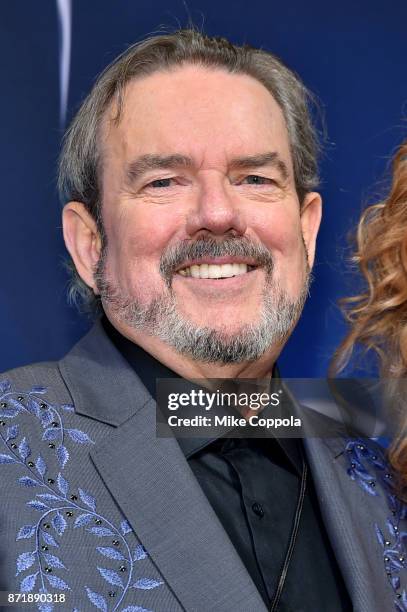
[{"x": 351, "y": 54}]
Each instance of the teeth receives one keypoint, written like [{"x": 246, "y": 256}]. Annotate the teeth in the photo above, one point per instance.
[
  {"x": 214, "y": 270},
  {"x": 227, "y": 270},
  {"x": 203, "y": 271},
  {"x": 195, "y": 271}
]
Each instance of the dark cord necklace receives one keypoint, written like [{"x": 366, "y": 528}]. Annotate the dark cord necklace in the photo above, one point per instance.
[{"x": 293, "y": 536}]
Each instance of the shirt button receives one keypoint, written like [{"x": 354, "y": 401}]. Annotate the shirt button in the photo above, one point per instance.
[{"x": 258, "y": 509}]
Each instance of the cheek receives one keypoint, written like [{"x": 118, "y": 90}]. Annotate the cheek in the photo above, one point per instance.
[
  {"x": 136, "y": 241},
  {"x": 280, "y": 230},
  {"x": 282, "y": 235}
]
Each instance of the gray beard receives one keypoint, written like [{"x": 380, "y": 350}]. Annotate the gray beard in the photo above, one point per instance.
[{"x": 161, "y": 317}]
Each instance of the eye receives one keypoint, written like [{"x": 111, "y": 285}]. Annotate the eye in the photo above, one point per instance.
[
  {"x": 254, "y": 179},
  {"x": 160, "y": 183}
]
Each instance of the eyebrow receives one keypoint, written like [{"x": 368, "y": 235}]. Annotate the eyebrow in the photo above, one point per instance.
[
  {"x": 148, "y": 162},
  {"x": 257, "y": 161}
]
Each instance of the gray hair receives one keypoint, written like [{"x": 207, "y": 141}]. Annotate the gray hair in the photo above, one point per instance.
[{"x": 80, "y": 164}]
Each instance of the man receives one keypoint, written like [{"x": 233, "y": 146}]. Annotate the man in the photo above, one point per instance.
[{"x": 190, "y": 175}]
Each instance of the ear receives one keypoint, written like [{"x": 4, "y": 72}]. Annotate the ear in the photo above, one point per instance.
[
  {"x": 82, "y": 240},
  {"x": 311, "y": 213}
]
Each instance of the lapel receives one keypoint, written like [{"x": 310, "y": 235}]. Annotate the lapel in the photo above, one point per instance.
[
  {"x": 350, "y": 515},
  {"x": 150, "y": 480}
]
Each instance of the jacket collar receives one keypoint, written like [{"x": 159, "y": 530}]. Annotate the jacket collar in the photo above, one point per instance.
[{"x": 102, "y": 384}]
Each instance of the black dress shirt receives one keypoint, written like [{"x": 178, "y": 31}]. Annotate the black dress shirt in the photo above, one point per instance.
[{"x": 253, "y": 486}]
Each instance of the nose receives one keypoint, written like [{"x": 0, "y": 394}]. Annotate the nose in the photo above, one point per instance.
[{"x": 215, "y": 210}]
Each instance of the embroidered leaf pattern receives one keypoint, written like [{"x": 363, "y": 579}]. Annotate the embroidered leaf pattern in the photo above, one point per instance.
[
  {"x": 57, "y": 583},
  {"x": 53, "y": 504},
  {"x": 27, "y": 531},
  {"x": 8, "y": 413},
  {"x": 24, "y": 561},
  {"x": 87, "y": 499},
  {"x": 101, "y": 531},
  {"x": 393, "y": 562},
  {"x": 83, "y": 519},
  {"x": 38, "y": 389},
  {"x": 59, "y": 523},
  {"x": 62, "y": 455},
  {"x": 390, "y": 527},
  {"x": 62, "y": 484},
  {"x": 5, "y": 386},
  {"x": 28, "y": 583},
  {"x": 12, "y": 432},
  {"x": 49, "y": 539},
  {"x": 40, "y": 465},
  {"x": 46, "y": 417},
  {"x": 111, "y": 553},
  {"x": 78, "y": 436},
  {"x": 24, "y": 449},
  {"x": 146, "y": 584},
  {"x": 45, "y": 607},
  {"x": 7, "y": 459},
  {"x": 379, "y": 534},
  {"x": 37, "y": 505},
  {"x": 49, "y": 496},
  {"x": 52, "y": 433},
  {"x": 18, "y": 406},
  {"x": 67, "y": 407},
  {"x": 125, "y": 527},
  {"x": 97, "y": 600},
  {"x": 140, "y": 553},
  {"x": 395, "y": 582},
  {"x": 34, "y": 408},
  {"x": 369, "y": 468},
  {"x": 111, "y": 576},
  {"x": 53, "y": 561},
  {"x": 28, "y": 482}
]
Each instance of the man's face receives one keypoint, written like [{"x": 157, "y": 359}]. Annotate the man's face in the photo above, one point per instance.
[{"x": 198, "y": 182}]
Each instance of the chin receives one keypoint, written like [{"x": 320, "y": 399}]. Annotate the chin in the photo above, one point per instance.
[
  {"x": 221, "y": 327},
  {"x": 226, "y": 317}
]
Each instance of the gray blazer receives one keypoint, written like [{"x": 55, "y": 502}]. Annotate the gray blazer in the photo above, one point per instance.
[{"x": 97, "y": 509}]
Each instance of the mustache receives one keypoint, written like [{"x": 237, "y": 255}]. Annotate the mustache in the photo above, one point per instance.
[{"x": 176, "y": 255}]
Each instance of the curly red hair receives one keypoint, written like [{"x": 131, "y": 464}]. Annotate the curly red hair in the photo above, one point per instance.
[{"x": 378, "y": 315}]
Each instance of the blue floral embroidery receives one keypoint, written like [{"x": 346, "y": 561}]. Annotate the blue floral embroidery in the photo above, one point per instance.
[
  {"x": 55, "y": 502},
  {"x": 11, "y": 405},
  {"x": 361, "y": 459}
]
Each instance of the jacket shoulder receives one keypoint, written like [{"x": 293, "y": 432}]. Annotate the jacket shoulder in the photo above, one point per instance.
[{"x": 40, "y": 378}]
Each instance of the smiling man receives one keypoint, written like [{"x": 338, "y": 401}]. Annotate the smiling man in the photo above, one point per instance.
[
  {"x": 206, "y": 246},
  {"x": 191, "y": 217}
]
